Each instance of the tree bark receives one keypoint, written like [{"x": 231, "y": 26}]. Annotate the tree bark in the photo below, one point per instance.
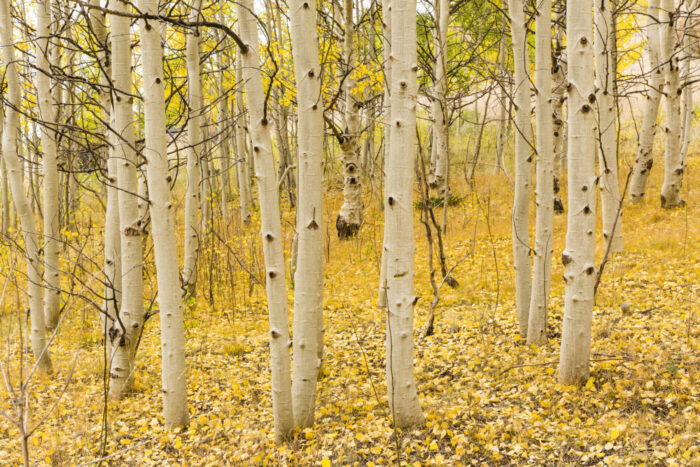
[
  {"x": 242, "y": 169},
  {"x": 579, "y": 255},
  {"x": 523, "y": 164},
  {"x": 673, "y": 163},
  {"x": 441, "y": 129},
  {"x": 271, "y": 228},
  {"x": 544, "y": 216},
  {"x": 607, "y": 125},
  {"x": 399, "y": 241},
  {"x": 162, "y": 217}
]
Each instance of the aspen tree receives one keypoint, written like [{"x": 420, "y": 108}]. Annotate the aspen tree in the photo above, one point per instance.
[
  {"x": 386, "y": 111},
  {"x": 579, "y": 254},
  {"x": 645, "y": 155},
  {"x": 499, "y": 166},
  {"x": 523, "y": 163},
  {"x": 28, "y": 227},
  {"x": 52, "y": 290},
  {"x": 558, "y": 99},
  {"x": 242, "y": 170},
  {"x": 193, "y": 196},
  {"x": 542, "y": 266},
  {"x": 350, "y": 216},
  {"x": 162, "y": 218},
  {"x": 222, "y": 128},
  {"x": 271, "y": 227},
  {"x": 308, "y": 278},
  {"x": 441, "y": 130},
  {"x": 687, "y": 97},
  {"x": 604, "y": 43},
  {"x": 126, "y": 328},
  {"x": 112, "y": 252},
  {"x": 398, "y": 241},
  {"x": 673, "y": 163}
]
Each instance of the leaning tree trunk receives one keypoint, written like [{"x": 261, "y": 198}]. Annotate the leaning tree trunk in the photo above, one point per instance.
[
  {"x": 162, "y": 218},
  {"x": 126, "y": 329},
  {"x": 193, "y": 196},
  {"x": 350, "y": 216},
  {"x": 607, "y": 125},
  {"x": 579, "y": 255},
  {"x": 308, "y": 279},
  {"x": 673, "y": 167},
  {"x": 542, "y": 267},
  {"x": 19, "y": 196},
  {"x": 47, "y": 114},
  {"x": 441, "y": 128},
  {"x": 523, "y": 163},
  {"x": 271, "y": 227},
  {"x": 645, "y": 148},
  {"x": 399, "y": 242}
]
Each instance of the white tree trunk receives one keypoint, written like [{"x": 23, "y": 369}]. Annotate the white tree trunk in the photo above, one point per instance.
[
  {"x": 523, "y": 163},
  {"x": 308, "y": 278},
  {"x": 607, "y": 125},
  {"x": 350, "y": 216},
  {"x": 223, "y": 126},
  {"x": 441, "y": 129},
  {"x": 398, "y": 241},
  {"x": 126, "y": 330},
  {"x": 242, "y": 169},
  {"x": 542, "y": 267},
  {"x": 52, "y": 279},
  {"x": 645, "y": 148},
  {"x": 162, "y": 217},
  {"x": 271, "y": 228},
  {"x": 579, "y": 255},
  {"x": 386, "y": 111},
  {"x": 673, "y": 163},
  {"x": 28, "y": 227},
  {"x": 193, "y": 196}
]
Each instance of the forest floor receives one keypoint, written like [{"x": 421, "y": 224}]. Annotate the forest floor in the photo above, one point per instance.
[{"x": 488, "y": 398}]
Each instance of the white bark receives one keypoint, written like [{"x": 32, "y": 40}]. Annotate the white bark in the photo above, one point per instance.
[
  {"x": 52, "y": 290},
  {"x": 673, "y": 163},
  {"x": 645, "y": 154},
  {"x": 398, "y": 241},
  {"x": 271, "y": 228},
  {"x": 386, "y": 111},
  {"x": 308, "y": 278},
  {"x": 441, "y": 129},
  {"x": 579, "y": 255},
  {"x": 542, "y": 267},
  {"x": 193, "y": 196},
  {"x": 350, "y": 216},
  {"x": 223, "y": 131},
  {"x": 523, "y": 163},
  {"x": 30, "y": 233},
  {"x": 607, "y": 125},
  {"x": 242, "y": 170},
  {"x": 169, "y": 292},
  {"x": 126, "y": 329}
]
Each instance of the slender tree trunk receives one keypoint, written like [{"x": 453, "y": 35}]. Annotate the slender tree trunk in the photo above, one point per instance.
[
  {"x": 399, "y": 241},
  {"x": 687, "y": 97},
  {"x": 193, "y": 196},
  {"x": 441, "y": 128},
  {"x": 607, "y": 124},
  {"x": 544, "y": 222},
  {"x": 242, "y": 169},
  {"x": 673, "y": 170},
  {"x": 523, "y": 163},
  {"x": 28, "y": 227},
  {"x": 558, "y": 99},
  {"x": 162, "y": 217},
  {"x": 52, "y": 279},
  {"x": 499, "y": 166},
  {"x": 308, "y": 279},
  {"x": 386, "y": 110},
  {"x": 579, "y": 255},
  {"x": 126, "y": 329},
  {"x": 271, "y": 228},
  {"x": 112, "y": 253},
  {"x": 645, "y": 149}
]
